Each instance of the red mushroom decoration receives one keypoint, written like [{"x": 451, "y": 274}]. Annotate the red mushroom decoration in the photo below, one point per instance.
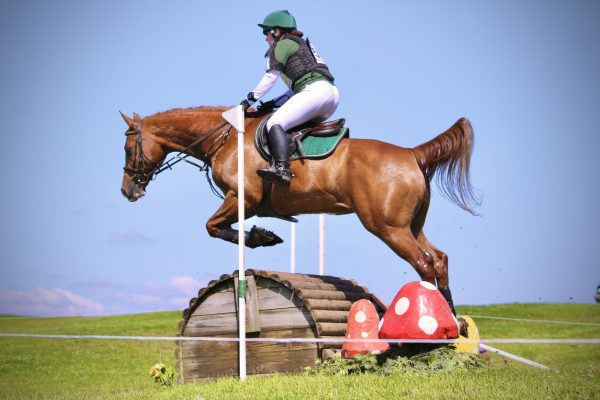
[
  {"x": 363, "y": 323},
  {"x": 419, "y": 311}
]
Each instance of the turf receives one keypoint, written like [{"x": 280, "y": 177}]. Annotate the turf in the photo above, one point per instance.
[{"x": 91, "y": 369}]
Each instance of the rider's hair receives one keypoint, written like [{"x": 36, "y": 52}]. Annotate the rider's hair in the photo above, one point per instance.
[{"x": 292, "y": 31}]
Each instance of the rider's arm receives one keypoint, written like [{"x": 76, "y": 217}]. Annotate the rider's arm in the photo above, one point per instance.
[{"x": 265, "y": 84}]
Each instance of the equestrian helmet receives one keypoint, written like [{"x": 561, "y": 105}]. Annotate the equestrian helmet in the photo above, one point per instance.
[{"x": 282, "y": 19}]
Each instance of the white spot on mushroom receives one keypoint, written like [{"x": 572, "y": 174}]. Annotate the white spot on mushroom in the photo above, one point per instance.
[
  {"x": 375, "y": 352},
  {"x": 428, "y": 285},
  {"x": 428, "y": 324},
  {"x": 402, "y": 305},
  {"x": 360, "y": 317},
  {"x": 380, "y": 325},
  {"x": 364, "y": 334}
]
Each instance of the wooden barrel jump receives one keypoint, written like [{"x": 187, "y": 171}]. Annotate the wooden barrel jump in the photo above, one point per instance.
[{"x": 278, "y": 305}]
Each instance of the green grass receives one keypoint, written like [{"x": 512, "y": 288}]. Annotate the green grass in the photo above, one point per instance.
[{"x": 91, "y": 369}]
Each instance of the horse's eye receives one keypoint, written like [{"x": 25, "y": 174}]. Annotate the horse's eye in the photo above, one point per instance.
[{"x": 128, "y": 151}]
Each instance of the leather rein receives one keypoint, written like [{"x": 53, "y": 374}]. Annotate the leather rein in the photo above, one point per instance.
[{"x": 143, "y": 177}]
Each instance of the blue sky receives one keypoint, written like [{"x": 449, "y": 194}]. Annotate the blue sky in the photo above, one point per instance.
[{"x": 524, "y": 73}]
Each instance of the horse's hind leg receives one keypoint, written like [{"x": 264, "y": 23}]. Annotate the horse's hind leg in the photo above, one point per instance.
[
  {"x": 430, "y": 263},
  {"x": 440, "y": 267},
  {"x": 404, "y": 244},
  {"x": 219, "y": 225}
]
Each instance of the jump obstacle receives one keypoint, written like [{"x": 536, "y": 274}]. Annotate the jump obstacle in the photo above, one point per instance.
[{"x": 278, "y": 305}]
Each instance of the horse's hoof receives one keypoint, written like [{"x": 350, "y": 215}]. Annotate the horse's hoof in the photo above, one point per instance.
[{"x": 260, "y": 237}]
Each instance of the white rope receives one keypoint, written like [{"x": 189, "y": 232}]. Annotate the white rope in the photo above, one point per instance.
[
  {"x": 544, "y": 321},
  {"x": 301, "y": 340}
]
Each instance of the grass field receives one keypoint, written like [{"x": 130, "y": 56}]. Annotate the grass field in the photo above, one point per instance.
[{"x": 91, "y": 369}]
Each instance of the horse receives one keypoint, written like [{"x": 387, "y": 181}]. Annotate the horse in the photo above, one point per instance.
[{"x": 387, "y": 186}]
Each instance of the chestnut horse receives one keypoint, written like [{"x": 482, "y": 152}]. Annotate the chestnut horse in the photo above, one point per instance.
[{"x": 388, "y": 187}]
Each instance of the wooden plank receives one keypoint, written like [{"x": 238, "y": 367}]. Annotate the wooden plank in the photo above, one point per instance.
[
  {"x": 221, "y": 302},
  {"x": 330, "y": 316},
  {"x": 280, "y": 297},
  {"x": 325, "y": 286},
  {"x": 219, "y": 350},
  {"x": 261, "y": 358},
  {"x": 330, "y": 295},
  {"x": 252, "y": 311},
  {"x": 331, "y": 328},
  {"x": 340, "y": 305},
  {"x": 224, "y": 301},
  {"x": 304, "y": 332},
  {"x": 214, "y": 325}
]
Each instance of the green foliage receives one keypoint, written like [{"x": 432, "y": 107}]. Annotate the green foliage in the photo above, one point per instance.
[{"x": 399, "y": 361}]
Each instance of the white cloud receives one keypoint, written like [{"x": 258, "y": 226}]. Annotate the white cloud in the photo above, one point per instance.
[
  {"x": 119, "y": 298},
  {"x": 185, "y": 284},
  {"x": 47, "y": 302},
  {"x": 175, "y": 294}
]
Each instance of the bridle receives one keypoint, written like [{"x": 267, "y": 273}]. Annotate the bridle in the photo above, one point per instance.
[{"x": 141, "y": 176}]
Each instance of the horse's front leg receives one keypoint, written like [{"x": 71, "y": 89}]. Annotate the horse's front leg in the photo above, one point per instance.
[{"x": 219, "y": 225}]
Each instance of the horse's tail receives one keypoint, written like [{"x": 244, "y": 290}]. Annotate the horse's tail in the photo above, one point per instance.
[{"x": 450, "y": 153}]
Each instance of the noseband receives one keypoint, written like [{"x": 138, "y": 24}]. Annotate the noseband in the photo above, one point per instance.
[{"x": 138, "y": 169}]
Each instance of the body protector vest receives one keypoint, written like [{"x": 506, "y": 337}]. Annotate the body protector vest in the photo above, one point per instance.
[{"x": 304, "y": 61}]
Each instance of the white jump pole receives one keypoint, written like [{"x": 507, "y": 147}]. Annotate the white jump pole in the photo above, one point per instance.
[
  {"x": 292, "y": 247},
  {"x": 321, "y": 244},
  {"x": 513, "y": 357},
  {"x": 235, "y": 116}
]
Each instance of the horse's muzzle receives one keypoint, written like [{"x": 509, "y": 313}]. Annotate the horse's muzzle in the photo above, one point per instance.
[{"x": 133, "y": 192}]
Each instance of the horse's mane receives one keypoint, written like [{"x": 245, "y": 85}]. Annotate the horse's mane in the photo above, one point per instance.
[
  {"x": 193, "y": 112},
  {"x": 200, "y": 109}
]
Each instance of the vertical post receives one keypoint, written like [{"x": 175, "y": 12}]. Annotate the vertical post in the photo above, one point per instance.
[
  {"x": 235, "y": 116},
  {"x": 241, "y": 245},
  {"x": 321, "y": 244},
  {"x": 292, "y": 247}
]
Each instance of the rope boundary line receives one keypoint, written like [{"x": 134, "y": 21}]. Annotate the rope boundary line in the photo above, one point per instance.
[
  {"x": 543, "y": 321},
  {"x": 302, "y": 340}
]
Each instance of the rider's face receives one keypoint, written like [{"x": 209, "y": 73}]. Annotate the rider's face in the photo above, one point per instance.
[{"x": 269, "y": 38}]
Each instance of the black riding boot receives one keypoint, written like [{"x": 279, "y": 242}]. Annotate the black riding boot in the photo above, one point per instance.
[{"x": 280, "y": 165}]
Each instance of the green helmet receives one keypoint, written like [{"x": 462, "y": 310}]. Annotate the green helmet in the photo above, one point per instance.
[{"x": 282, "y": 19}]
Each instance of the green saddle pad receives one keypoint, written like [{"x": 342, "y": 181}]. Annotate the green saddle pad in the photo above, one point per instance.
[
  {"x": 313, "y": 146},
  {"x": 319, "y": 147}
]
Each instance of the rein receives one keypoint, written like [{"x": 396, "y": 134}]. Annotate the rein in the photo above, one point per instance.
[{"x": 141, "y": 177}]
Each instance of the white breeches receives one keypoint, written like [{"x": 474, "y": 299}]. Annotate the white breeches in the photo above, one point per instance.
[{"x": 316, "y": 102}]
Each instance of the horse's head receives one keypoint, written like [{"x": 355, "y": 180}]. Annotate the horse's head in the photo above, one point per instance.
[{"x": 142, "y": 156}]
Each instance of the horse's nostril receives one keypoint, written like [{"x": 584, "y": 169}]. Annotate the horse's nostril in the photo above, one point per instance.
[{"x": 124, "y": 193}]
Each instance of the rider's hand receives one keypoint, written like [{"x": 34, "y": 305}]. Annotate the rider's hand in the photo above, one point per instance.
[
  {"x": 245, "y": 104},
  {"x": 248, "y": 101},
  {"x": 266, "y": 106}
]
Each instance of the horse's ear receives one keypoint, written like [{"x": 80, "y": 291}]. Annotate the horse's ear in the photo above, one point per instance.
[
  {"x": 130, "y": 122},
  {"x": 136, "y": 117}
]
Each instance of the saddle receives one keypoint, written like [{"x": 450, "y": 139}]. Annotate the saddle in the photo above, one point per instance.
[{"x": 308, "y": 140}]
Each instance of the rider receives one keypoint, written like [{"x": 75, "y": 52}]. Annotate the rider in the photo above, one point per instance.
[{"x": 312, "y": 95}]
